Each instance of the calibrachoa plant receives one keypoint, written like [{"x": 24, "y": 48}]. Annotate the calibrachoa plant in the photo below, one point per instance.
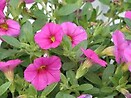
[{"x": 63, "y": 49}]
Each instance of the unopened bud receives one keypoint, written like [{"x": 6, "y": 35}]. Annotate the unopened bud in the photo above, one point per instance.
[{"x": 109, "y": 51}]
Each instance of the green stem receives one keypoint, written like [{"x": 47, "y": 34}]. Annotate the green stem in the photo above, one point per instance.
[{"x": 13, "y": 96}]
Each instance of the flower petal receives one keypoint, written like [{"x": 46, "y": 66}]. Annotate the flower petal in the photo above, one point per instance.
[
  {"x": 40, "y": 81},
  {"x": 30, "y": 73}
]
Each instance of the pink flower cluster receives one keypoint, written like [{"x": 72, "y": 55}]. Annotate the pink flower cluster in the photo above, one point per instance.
[
  {"x": 122, "y": 48},
  {"x": 51, "y": 34}
]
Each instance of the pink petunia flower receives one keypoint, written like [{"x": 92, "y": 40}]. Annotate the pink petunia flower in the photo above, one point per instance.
[
  {"x": 93, "y": 57},
  {"x": 50, "y": 36},
  {"x": 128, "y": 14},
  {"x": 85, "y": 96},
  {"x": 9, "y": 27},
  {"x": 75, "y": 33},
  {"x": 120, "y": 44},
  {"x": 44, "y": 71},
  {"x": 8, "y": 68}
]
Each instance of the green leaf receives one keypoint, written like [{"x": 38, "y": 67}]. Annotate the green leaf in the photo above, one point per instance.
[
  {"x": 67, "y": 43},
  {"x": 68, "y": 65},
  {"x": 94, "y": 90},
  {"x": 128, "y": 22},
  {"x": 31, "y": 92},
  {"x": 106, "y": 2},
  {"x": 48, "y": 89},
  {"x": 107, "y": 89},
  {"x": 6, "y": 53},
  {"x": 108, "y": 72},
  {"x": 71, "y": 77},
  {"x": 27, "y": 32},
  {"x": 87, "y": 10},
  {"x": 4, "y": 87},
  {"x": 69, "y": 8},
  {"x": 70, "y": 1},
  {"x": 12, "y": 41},
  {"x": 77, "y": 48},
  {"x": 84, "y": 87},
  {"x": 63, "y": 79},
  {"x": 63, "y": 95},
  {"x": 94, "y": 78},
  {"x": 38, "y": 24}
]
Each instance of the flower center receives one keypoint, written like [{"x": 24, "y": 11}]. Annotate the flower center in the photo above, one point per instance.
[
  {"x": 42, "y": 67},
  {"x": 4, "y": 26},
  {"x": 52, "y": 38},
  {"x": 70, "y": 38}
]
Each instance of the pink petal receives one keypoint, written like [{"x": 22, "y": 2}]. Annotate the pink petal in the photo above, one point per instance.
[
  {"x": 53, "y": 76},
  {"x": 128, "y": 14},
  {"x": 101, "y": 62},
  {"x": 3, "y": 66},
  {"x": 127, "y": 53},
  {"x": 2, "y": 14},
  {"x": 68, "y": 28},
  {"x": 40, "y": 81},
  {"x": 13, "y": 63},
  {"x": 2, "y": 4},
  {"x": 9, "y": 65},
  {"x": 90, "y": 54},
  {"x": 30, "y": 73},
  {"x": 54, "y": 63},
  {"x": 39, "y": 62},
  {"x": 120, "y": 44},
  {"x": 118, "y": 37}
]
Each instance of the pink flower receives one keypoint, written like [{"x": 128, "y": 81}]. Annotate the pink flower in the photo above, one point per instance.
[
  {"x": 75, "y": 33},
  {"x": 50, "y": 36},
  {"x": 128, "y": 14},
  {"x": 85, "y": 96},
  {"x": 8, "y": 67},
  {"x": 9, "y": 27},
  {"x": 93, "y": 57},
  {"x": 44, "y": 71},
  {"x": 120, "y": 44}
]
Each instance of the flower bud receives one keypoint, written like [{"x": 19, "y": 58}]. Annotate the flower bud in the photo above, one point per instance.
[
  {"x": 83, "y": 68},
  {"x": 109, "y": 51}
]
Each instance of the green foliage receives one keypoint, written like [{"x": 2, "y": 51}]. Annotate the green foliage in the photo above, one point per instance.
[
  {"x": 11, "y": 41},
  {"x": 75, "y": 80},
  {"x": 4, "y": 87}
]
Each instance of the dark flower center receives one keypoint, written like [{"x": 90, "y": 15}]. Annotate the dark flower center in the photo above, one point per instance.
[
  {"x": 52, "y": 38},
  {"x": 41, "y": 67},
  {"x": 4, "y": 26}
]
